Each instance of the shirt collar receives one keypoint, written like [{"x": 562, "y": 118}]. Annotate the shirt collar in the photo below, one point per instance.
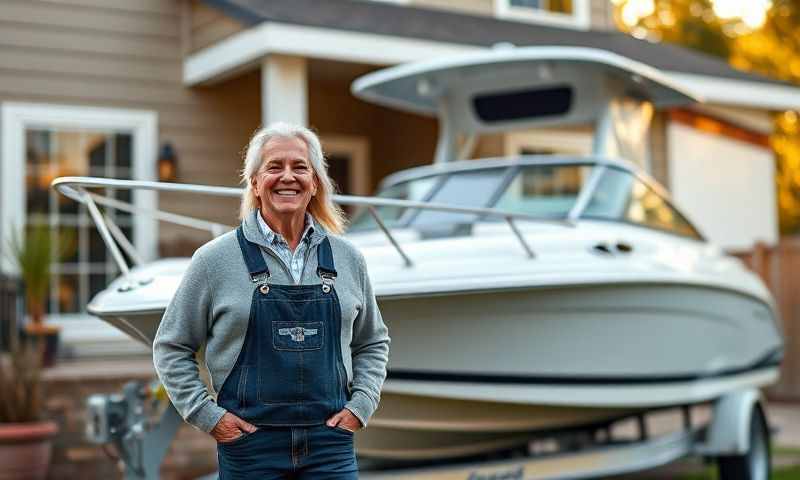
[{"x": 274, "y": 238}]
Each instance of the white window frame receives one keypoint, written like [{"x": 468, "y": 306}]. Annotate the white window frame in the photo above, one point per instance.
[
  {"x": 579, "y": 19},
  {"x": 356, "y": 148},
  {"x": 142, "y": 125}
]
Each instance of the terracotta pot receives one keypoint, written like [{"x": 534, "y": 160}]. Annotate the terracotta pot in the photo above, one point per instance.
[{"x": 25, "y": 450}]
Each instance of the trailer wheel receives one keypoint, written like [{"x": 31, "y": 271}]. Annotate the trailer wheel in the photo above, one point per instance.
[{"x": 756, "y": 463}]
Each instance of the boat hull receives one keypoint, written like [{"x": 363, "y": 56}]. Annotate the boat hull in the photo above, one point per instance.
[
  {"x": 477, "y": 371},
  {"x": 642, "y": 334},
  {"x": 558, "y": 358}
]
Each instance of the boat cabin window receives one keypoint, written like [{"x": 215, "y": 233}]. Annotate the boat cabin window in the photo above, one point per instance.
[
  {"x": 474, "y": 188},
  {"x": 545, "y": 191},
  {"x": 415, "y": 190},
  {"x": 621, "y": 196}
]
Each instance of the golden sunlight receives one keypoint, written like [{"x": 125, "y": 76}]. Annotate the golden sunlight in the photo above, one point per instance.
[
  {"x": 634, "y": 10},
  {"x": 752, "y": 13}
]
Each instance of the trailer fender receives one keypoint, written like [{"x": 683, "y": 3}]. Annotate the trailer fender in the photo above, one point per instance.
[{"x": 729, "y": 430}]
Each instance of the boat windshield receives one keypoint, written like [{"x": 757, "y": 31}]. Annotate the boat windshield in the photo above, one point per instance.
[
  {"x": 622, "y": 197},
  {"x": 416, "y": 190},
  {"x": 545, "y": 191}
]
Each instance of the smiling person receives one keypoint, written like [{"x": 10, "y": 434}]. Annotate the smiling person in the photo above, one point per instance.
[{"x": 294, "y": 341}]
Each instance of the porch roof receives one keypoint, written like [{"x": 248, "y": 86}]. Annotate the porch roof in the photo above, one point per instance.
[
  {"x": 453, "y": 27},
  {"x": 451, "y": 32}
]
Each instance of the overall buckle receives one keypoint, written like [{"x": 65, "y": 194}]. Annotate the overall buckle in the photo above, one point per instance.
[
  {"x": 262, "y": 279},
  {"x": 327, "y": 281}
]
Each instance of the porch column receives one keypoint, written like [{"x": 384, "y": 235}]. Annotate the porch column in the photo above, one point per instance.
[{"x": 284, "y": 90}]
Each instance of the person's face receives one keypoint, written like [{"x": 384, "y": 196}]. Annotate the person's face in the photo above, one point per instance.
[{"x": 285, "y": 182}]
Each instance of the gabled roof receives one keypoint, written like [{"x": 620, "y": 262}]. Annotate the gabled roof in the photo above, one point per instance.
[{"x": 458, "y": 28}]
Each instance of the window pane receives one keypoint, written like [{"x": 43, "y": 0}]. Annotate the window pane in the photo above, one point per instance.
[
  {"x": 411, "y": 190},
  {"x": 68, "y": 243},
  {"x": 96, "y": 151},
  {"x": 68, "y": 294},
  {"x": 610, "y": 198},
  {"x": 37, "y": 148},
  {"x": 67, "y": 207},
  {"x": 54, "y": 153},
  {"x": 464, "y": 189},
  {"x": 526, "y": 3},
  {"x": 120, "y": 216},
  {"x": 560, "y": 6},
  {"x": 621, "y": 196},
  {"x": 97, "y": 248},
  {"x": 545, "y": 191},
  {"x": 123, "y": 152},
  {"x": 37, "y": 195},
  {"x": 97, "y": 282},
  {"x": 68, "y": 153}
]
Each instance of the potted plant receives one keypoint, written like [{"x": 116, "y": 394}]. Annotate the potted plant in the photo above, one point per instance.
[
  {"x": 25, "y": 438},
  {"x": 33, "y": 255}
]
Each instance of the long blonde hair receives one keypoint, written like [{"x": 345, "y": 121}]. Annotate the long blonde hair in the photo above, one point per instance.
[{"x": 321, "y": 207}]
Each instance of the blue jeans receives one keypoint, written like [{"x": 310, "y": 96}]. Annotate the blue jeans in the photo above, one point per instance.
[{"x": 301, "y": 453}]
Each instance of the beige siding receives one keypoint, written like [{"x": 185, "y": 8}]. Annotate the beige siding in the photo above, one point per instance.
[
  {"x": 209, "y": 25},
  {"x": 117, "y": 53},
  {"x": 66, "y": 17}
]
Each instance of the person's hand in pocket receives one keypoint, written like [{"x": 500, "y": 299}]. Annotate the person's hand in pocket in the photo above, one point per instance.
[
  {"x": 230, "y": 427},
  {"x": 346, "y": 420}
]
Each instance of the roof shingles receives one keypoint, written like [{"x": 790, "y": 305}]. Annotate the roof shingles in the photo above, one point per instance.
[{"x": 443, "y": 26}]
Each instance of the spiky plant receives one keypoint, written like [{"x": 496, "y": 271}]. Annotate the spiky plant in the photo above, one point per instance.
[
  {"x": 20, "y": 383},
  {"x": 34, "y": 253}
]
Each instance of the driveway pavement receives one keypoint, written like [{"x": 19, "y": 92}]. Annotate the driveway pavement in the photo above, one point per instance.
[{"x": 784, "y": 418}]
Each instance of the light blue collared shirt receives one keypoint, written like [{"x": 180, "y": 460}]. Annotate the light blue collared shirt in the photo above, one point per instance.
[{"x": 294, "y": 260}]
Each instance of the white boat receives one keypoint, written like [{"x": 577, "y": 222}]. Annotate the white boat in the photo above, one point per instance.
[{"x": 523, "y": 295}]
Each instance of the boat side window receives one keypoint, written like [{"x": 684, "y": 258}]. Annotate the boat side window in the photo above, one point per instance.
[
  {"x": 621, "y": 196},
  {"x": 416, "y": 190},
  {"x": 545, "y": 191},
  {"x": 474, "y": 188}
]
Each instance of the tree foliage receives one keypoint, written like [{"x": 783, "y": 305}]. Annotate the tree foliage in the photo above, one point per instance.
[{"x": 771, "y": 49}]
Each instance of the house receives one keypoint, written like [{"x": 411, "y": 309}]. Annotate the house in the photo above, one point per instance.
[{"x": 122, "y": 89}]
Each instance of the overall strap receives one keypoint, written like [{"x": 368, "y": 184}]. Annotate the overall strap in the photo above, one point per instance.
[
  {"x": 325, "y": 259},
  {"x": 252, "y": 257},
  {"x": 325, "y": 268}
]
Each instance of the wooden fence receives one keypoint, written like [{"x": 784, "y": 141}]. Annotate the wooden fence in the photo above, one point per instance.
[{"x": 779, "y": 267}]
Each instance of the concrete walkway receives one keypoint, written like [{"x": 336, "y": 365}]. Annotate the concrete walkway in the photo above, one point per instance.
[{"x": 784, "y": 418}]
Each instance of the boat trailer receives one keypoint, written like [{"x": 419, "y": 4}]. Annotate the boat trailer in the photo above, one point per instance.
[{"x": 737, "y": 436}]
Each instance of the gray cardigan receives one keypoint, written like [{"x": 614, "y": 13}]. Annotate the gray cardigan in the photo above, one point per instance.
[{"x": 211, "y": 308}]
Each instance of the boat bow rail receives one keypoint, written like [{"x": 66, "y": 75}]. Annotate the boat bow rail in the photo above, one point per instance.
[{"x": 78, "y": 189}]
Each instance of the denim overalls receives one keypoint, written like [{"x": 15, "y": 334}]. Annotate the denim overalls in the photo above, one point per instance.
[{"x": 288, "y": 379}]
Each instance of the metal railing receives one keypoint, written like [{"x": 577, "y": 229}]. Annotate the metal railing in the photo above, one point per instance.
[{"x": 76, "y": 188}]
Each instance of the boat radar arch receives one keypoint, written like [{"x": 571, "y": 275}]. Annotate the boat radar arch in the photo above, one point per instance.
[{"x": 508, "y": 88}]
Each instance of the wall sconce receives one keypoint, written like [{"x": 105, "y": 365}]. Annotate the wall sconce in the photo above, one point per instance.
[{"x": 167, "y": 163}]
